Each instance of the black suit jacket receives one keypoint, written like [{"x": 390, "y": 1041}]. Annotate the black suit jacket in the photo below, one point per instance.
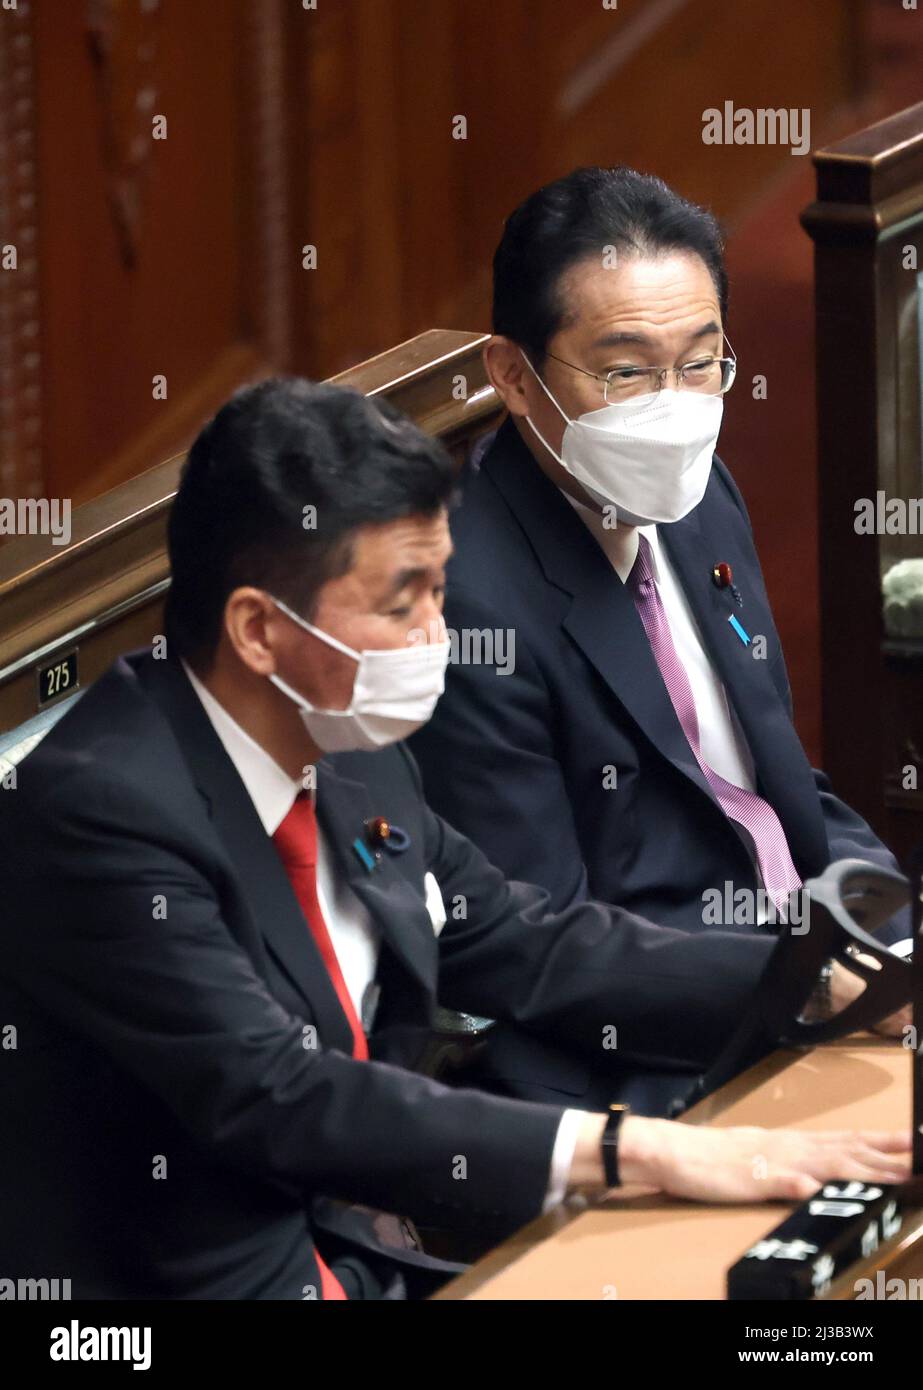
[
  {"x": 169, "y": 1130},
  {"x": 516, "y": 761}
]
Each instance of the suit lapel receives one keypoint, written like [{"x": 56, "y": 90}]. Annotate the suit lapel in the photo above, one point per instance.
[
  {"x": 395, "y": 907},
  {"x": 784, "y": 775},
  {"x": 602, "y": 618},
  {"x": 261, "y": 877},
  {"x": 343, "y": 806}
]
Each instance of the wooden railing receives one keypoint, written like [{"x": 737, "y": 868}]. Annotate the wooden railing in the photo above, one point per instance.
[{"x": 102, "y": 593}]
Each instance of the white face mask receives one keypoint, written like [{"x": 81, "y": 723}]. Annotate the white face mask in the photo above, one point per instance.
[
  {"x": 650, "y": 457},
  {"x": 394, "y": 693}
]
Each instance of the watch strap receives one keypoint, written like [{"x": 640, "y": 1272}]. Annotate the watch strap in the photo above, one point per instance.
[{"x": 610, "y": 1144}]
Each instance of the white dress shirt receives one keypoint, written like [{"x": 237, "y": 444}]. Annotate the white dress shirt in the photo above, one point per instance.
[
  {"x": 721, "y": 739},
  {"x": 353, "y": 935}
]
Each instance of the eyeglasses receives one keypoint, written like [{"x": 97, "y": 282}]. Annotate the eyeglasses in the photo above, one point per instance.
[{"x": 710, "y": 375}]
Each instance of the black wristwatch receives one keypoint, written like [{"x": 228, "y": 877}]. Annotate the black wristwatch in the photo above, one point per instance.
[
  {"x": 610, "y": 1144},
  {"x": 820, "y": 1004}
]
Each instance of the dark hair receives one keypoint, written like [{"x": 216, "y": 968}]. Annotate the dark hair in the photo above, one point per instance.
[
  {"x": 273, "y": 451},
  {"x": 573, "y": 219}
]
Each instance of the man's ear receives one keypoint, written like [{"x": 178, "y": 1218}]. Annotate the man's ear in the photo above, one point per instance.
[
  {"x": 248, "y": 618},
  {"x": 506, "y": 368}
]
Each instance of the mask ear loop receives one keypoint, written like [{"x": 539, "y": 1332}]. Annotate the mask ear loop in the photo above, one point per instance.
[
  {"x": 304, "y": 704},
  {"x": 533, "y": 427},
  {"x": 316, "y": 631},
  {"x": 566, "y": 418}
]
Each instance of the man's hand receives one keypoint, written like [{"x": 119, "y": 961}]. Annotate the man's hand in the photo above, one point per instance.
[
  {"x": 741, "y": 1164},
  {"x": 753, "y": 1165},
  {"x": 845, "y": 986},
  {"x": 895, "y": 1025}
]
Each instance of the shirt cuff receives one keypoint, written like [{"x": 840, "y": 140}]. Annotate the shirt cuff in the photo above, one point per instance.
[
  {"x": 903, "y": 948},
  {"x": 562, "y": 1156}
]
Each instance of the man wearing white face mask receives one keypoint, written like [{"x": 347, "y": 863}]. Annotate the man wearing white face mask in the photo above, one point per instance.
[
  {"x": 639, "y": 753},
  {"x": 645, "y": 456},
  {"x": 225, "y": 948},
  {"x": 394, "y": 692}
]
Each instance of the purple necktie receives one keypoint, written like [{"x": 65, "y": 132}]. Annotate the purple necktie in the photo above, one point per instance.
[{"x": 746, "y": 808}]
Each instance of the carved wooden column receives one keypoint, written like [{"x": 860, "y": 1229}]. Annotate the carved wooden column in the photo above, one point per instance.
[
  {"x": 867, "y": 227},
  {"x": 21, "y": 473}
]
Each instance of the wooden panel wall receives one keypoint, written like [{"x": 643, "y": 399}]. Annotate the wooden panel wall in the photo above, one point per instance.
[
  {"x": 407, "y": 217},
  {"x": 155, "y": 256},
  {"x": 288, "y": 126}
]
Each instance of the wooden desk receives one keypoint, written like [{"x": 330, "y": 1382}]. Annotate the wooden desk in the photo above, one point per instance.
[{"x": 640, "y": 1247}]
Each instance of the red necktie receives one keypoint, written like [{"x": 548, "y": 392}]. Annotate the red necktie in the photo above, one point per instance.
[{"x": 296, "y": 841}]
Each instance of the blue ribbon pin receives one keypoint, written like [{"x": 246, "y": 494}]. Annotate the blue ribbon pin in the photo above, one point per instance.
[
  {"x": 739, "y": 629},
  {"x": 366, "y": 859}
]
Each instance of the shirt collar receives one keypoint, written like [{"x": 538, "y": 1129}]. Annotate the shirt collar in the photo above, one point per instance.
[
  {"x": 271, "y": 789},
  {"x": 620, "y": 543}
]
